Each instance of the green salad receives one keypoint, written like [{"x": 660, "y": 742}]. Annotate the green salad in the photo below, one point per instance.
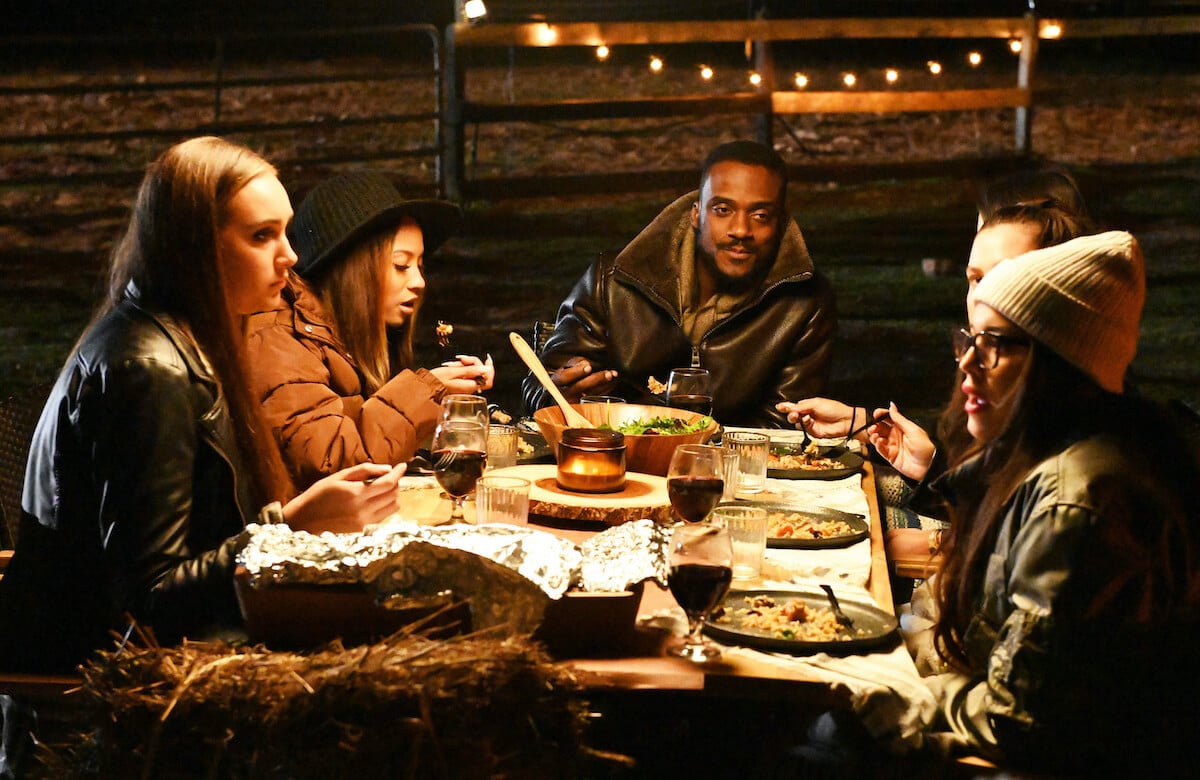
[{"x": 661, "y": 426}]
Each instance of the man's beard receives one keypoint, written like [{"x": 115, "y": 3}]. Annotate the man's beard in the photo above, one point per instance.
[{"x": 727, "y": 283}]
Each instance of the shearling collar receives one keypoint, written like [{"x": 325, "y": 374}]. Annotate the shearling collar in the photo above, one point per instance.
[{"x": 648, "y": 258}]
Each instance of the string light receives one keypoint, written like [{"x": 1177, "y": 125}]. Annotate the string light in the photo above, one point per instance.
[
  {"x": 892, "y": 75},
  {"x": 755, "y": 78},
  {"x": 1051, "y": 30},
  {"x": 849, "y": 79},
  {"x": 706, "y": 72},
  {"x": 974, "y": 58},
  {"x": 547, "y": 35},
  {"x": 602, "y": 52},
  {"x": 1015, "y": 46},
  {"x": 935, "y": 67},
  {"x": 801, "y": 81},
  {"x": 656, "y": 64}
]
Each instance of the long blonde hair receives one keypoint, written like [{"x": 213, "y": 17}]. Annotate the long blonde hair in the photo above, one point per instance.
[
  {"x": 168, "y": 258},
  {"x": 351, "y": 290}
]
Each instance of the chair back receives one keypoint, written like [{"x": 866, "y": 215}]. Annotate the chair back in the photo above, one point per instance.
[{"x": 18, "y": 417}]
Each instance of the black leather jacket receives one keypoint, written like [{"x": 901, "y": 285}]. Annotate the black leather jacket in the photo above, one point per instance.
[
  {"x": 130, "y": 501},
  {"x": 624, "y": 315}
]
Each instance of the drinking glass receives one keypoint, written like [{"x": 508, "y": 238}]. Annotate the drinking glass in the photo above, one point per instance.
[
  {"x": 502, "y": 446},
  {"x": 701, "y": 563},
  {"x": 752, "y": 449},
  {"x": 502, "y": 499},
  {"x": 459, "y": 455},
  {"x": 462, "y": 406},
  {"x": 695, "y": 480},
  {"x": 747, "y": 525},
  {"x": 690, "y": 389}
]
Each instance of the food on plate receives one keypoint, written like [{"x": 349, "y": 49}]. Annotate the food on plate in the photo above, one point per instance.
[
  {"x": 661, "y": 426},
  {"x": 443, "y": 331},
  {"x": 810, "y": 459},
  {"x": 524, "y": 448},
  {"x": 655, "y": 387},
  {"x": 501, "y": 416},
  {"x": 791, "y": 620},
  {"x": 798, "y": 525}
]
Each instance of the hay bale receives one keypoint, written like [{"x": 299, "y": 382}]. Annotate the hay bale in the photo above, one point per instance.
[{"x": 408, "y": 706}]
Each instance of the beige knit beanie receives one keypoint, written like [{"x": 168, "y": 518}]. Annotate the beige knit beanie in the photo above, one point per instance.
[{"x": 1083, "y": 299}]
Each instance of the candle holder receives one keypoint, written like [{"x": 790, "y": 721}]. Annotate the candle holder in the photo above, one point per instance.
[{"x": 591, "y": 460}]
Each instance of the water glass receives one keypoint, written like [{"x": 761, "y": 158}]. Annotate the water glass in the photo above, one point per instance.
[
  {"x": 501, "y": 446},
  {"x": 752, "y": 449},
  {"x": 502, "y": 499},
  {"x": 748, "y": 531}
]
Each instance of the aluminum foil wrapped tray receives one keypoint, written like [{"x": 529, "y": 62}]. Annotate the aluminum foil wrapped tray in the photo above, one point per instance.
[{"x": 612, "y": 560}]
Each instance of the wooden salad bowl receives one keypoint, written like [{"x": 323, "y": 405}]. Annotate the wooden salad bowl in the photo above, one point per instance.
[{"x": 644, "y": 453}]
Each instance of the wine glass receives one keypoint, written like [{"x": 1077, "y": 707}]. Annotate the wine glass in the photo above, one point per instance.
[
  {"x": 695, "y": 481},
  {"x": 701, "y": 570},
  {"x": 690, "y": 389},
  {"x": 459, "y": 456},
  {"x": 463, "y": 406}
]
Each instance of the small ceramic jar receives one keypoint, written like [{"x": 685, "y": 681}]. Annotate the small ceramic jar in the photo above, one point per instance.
[{"x": 591, "y": 460}]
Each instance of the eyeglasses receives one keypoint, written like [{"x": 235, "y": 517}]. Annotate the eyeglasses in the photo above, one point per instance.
[{"x": 987, "y": 346}]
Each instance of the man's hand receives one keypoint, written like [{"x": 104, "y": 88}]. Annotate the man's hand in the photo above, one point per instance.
[
  {"x": 823, "y": 417},
  {"x": 575, "y": 379}
]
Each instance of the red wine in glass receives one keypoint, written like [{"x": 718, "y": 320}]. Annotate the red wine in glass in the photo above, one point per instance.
[
  {"x": 694, "y": 497},
  {"x": 457, "y": 471},
  {"x": 699, "y": 587},
  {"x": 700, "y": 404}
]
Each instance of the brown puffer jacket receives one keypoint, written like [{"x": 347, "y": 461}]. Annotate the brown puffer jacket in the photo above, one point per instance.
[{"x": 312, "y": 395}]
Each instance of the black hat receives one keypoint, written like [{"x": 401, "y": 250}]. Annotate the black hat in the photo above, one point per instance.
[{"x": 339, "y": 211}]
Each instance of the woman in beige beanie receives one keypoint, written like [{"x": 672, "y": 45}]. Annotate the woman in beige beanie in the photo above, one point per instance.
[{"x": 1070, "y": 585}]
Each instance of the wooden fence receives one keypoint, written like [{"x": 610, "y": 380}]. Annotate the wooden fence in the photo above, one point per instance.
[
  {"x": 767, "y": 102},
  {"x": 273, "y": 90}
]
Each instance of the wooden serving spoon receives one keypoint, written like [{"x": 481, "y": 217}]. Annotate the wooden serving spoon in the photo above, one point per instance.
[{"x": 572, "y": 418}]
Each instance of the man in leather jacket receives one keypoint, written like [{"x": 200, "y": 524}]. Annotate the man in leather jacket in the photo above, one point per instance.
[{"x": 722, "y": 280}]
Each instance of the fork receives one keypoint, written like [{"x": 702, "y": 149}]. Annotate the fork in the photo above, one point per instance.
[
  {"x": 841, "y": 616},
  {"x": 807, "y": 439}
]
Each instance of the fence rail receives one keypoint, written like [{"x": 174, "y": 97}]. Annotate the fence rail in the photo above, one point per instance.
[
  {"x": 768, "y": 103},
  {"x": 223, "y": 76}
]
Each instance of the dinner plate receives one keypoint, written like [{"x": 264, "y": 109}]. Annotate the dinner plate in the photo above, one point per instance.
[
  {"x": 858, "y": 525},
  {"x": 541, "y": 450},
  {"x": 848, "y": 463},
  {"x": 872, "y": 626}
]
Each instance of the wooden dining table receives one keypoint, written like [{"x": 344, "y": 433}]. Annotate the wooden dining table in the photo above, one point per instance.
[{"x": 645, "y": 665}]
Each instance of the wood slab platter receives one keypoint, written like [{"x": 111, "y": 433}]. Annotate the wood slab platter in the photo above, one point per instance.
[{"x": 644, "y": 496}]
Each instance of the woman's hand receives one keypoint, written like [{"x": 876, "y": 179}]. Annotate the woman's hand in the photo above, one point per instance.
[
  {"x": 468, "y": 374},
  {"x": 348, "y": 500},
  {"x": 902, "y": 443},
  {"x": 823, "y": 417}
]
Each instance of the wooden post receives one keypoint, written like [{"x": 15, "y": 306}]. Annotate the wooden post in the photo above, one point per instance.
[
  {"x": 764, "y": 65},
  {"x": 1024, "y": 116},
  {"x": 451, "y": 153}
]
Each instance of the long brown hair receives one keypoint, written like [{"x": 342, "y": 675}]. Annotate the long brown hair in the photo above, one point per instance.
[
  {"x": 168, "y": 259},
  {"x": 1054, "y": 405},
  {"x": 351, "y": 290}
]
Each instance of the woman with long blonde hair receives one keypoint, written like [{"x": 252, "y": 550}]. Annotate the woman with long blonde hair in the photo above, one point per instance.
[{"x": 150, "y": 456}]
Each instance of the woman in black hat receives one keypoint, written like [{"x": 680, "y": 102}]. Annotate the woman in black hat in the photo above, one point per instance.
[{"x": 333, "y": 366}]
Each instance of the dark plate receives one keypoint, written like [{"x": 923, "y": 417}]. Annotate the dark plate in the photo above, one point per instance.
[
  {"x": 872, "y": 626},
  {"x": 848, "y": 463},
  {"x": 856, "y": 522},
  {"x": 541, "y": 450}
]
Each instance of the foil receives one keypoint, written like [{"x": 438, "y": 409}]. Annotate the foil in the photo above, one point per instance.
[
  {"x": 395, "y": 561},
  {"x": 625, "y": 554}
]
